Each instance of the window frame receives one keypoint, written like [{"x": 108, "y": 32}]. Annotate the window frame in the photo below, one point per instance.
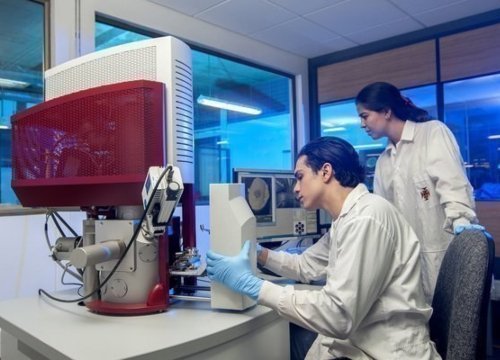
[{"x": 16, "y": 210}]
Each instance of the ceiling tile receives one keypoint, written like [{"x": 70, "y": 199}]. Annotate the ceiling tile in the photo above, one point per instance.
[
  {"x": 302, "y": 7},
  {"x": 246, "y": 17},
  {"x": 307, "y": 50},
  {"x": 456, "y": 11},
  {"x": 301, "y": 37},
  {"x": 385, "y": 31},
  {"x": 313, "y": 50},
  {"x": 356, "y": 15},
  {"x": 297, "y": 31},
  {"x": 412, "y": 7},
  {"x": 189, "y": 7},
  {"x": 337, "y": 44}
]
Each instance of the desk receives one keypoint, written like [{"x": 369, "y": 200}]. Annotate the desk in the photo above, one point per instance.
[{"x": 38, "y": 328}]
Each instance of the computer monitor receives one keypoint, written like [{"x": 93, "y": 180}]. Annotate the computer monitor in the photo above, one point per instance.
[
  {"x": 271, "y": 198},
  {"x": 368, "y": 158}
]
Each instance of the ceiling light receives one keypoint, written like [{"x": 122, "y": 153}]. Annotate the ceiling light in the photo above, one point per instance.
[
  {"x": 334, "y": 129},
  {"x": 13, "y": 84},
  {"x": 368, "y": 146},
  {"x": 227, "y": 105},
  {"x": 493, "y": 137}
]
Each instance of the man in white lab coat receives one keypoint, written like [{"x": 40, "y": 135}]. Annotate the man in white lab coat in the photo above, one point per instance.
[{"x": 372, "y": 305}]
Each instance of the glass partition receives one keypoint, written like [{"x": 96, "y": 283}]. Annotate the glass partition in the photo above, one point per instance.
[{"x": 472, "y": 112}]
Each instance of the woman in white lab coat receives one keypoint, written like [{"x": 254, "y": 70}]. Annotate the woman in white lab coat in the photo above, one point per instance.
[
  {"x": 372, "y": 305},
  {"x": 421, "y": 172}
]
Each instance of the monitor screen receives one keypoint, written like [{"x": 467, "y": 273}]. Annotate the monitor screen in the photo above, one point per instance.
[
  {"x": 260, "y": 196},
  {"x": 285, "y": 197},
  {"x": 271, "y": 198}
]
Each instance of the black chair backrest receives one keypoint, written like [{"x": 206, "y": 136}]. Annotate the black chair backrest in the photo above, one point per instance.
[{"x": 460, "y": 303}]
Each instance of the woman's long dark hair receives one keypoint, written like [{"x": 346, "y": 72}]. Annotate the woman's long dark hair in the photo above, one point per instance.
[{"x": 381, "y": 96}]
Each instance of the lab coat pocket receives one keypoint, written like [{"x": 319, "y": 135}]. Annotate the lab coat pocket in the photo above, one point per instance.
[{"x": 425, "y": 193}]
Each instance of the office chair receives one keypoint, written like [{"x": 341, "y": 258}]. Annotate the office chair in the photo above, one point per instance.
[{"x": 458, "y": 324}]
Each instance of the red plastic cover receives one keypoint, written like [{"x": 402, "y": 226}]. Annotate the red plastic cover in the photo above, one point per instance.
[{"x": 90, "y": 148}]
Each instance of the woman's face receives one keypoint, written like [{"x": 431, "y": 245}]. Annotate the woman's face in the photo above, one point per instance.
[
  {"x": 308, "y": 187},
  {"x": 375, "y": 123}
]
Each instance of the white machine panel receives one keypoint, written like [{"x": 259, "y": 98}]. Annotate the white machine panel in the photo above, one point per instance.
[{"x": 231, "y": 224}]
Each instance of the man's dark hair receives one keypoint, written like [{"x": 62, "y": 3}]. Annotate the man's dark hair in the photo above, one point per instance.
[{"x": 338, "y": 153}]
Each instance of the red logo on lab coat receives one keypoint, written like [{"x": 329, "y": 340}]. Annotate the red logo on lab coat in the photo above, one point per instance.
[{"x": 425, "y": 193}]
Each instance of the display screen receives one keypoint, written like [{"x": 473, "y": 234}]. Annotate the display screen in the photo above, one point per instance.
[
  {"x": 260, "y": 195},
  {"x": 271, "y": 197},
  {"x": 285, "y": 196}
]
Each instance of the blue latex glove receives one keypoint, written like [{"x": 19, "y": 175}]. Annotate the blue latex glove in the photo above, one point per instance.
[
  {"x": 234, "y": 272},
  {"x": 258, "y": 247},
  {"x": 461, "y": 228}
]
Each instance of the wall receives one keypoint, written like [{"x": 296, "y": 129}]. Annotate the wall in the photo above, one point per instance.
[
  {"x": 24, "y": 262},
  {"x": 25, "y": 265}
]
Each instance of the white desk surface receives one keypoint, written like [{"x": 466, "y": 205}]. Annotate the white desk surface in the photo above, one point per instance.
[{"x": 69, "y": 331}]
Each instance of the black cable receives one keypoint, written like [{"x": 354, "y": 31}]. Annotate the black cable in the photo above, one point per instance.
[
  {"x": 58, "y": 262},
  {"x": 68, "y": 283},
  {"x": 56, "y": 223},
  {"x": 132, "y": 240},
  {"x": 65, "y": 223}
]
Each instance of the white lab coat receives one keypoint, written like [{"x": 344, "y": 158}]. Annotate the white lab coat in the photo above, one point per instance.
[
  {"x": 372, "y": 305},
  {"x": 424, "y": 177}
]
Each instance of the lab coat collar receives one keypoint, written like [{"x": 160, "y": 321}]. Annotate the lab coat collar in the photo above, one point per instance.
[
  {"x": 408, "y": 131},
  {"x": 407, "y": 136},
  {"x": 353, "y": 197}
]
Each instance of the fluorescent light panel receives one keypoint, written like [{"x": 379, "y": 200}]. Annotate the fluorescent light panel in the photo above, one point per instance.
[
  {"x": 368, "y": 146},
  {"x": 334, "y": 129},
  {"x": 13, "y": 84},
  {"x": 227, "y": 105}
]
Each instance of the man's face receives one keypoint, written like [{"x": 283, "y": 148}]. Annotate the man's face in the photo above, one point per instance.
[{"x": 308, "y": 187}]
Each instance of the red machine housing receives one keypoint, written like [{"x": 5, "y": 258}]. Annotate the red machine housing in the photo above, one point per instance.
[{"x": 90, "y": 148}]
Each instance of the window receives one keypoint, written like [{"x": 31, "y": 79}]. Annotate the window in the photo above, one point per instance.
[
  {"x": 472, "y": 112},
  {"x": 243, "y": 113},
  {"x": 341, "y": 119},
  {"x": 108, "y": 35},
  {"x": 21, "y": 75},
  {"x": 234, "y": 139}
]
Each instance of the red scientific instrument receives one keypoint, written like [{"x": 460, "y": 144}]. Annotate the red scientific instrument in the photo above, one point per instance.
[{"x": 114, "y": 137}]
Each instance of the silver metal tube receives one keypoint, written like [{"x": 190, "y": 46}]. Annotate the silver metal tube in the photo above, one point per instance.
[
  {"x": 90, "y": 275},
  {"x": 189, "y": 298},
  {"x": 98, "y": 253}
]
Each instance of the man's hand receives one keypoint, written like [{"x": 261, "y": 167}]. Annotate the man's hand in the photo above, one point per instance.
[{"x": 234, "y": 272}]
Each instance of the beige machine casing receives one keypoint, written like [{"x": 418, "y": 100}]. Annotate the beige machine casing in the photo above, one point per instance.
[{"x": 231, "y": 224}]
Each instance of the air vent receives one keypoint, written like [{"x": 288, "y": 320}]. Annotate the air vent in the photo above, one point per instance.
[
  {"x": 183, "y": 78},
  {"x": 136, "y": 64}
]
